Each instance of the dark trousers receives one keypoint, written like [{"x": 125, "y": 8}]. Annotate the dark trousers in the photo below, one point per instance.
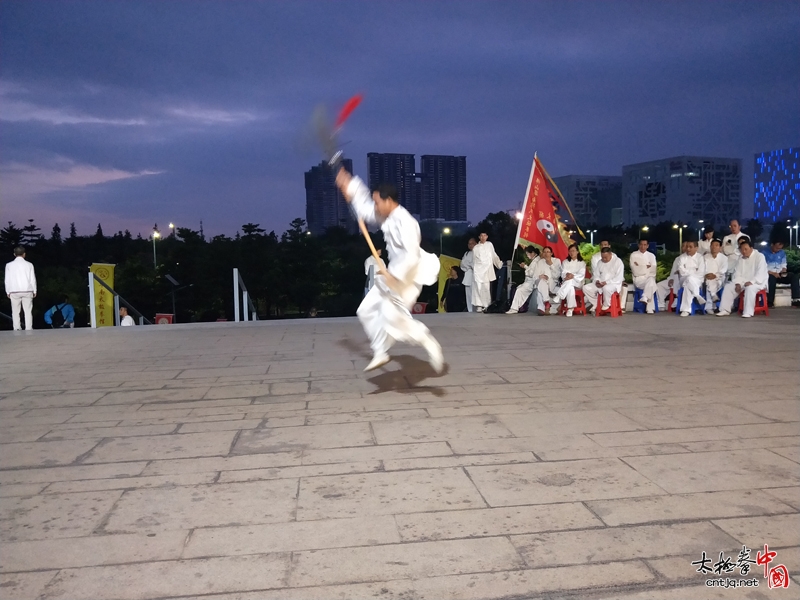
[{"x": 791, "y": 279}]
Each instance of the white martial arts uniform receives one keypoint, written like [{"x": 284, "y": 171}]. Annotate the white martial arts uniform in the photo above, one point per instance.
[
  {"x": 545, "y": 287},
  {"x": 484, "y": 261},
  {"x": 692, "y": 270},
  {"x": 466, "y": 267},
  {"x": 566, "y": 291},
  {"x": 612, "y": 273},
  {"x": 524, "y": 289},
  {"x": 717, "y": 266},
  {"x": 385, "y": 313},
  {"x": 643, "y": 271},
  {"x": 664, "y": 286},
  {"x": 704, "y": 247},
  {"x": 623, "y": 293},
  {"x": 730, "y": 248},
  {"x": 20, "y": 282},
  {"x": 752, "y": 270}
]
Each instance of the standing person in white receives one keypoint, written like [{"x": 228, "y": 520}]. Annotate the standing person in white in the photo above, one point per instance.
[
  {"x": 607, "y": 278},
  {"x": 573, "y": 272},
  {"x": 376, "y": 266},
  {"x": 730, "y": 245},
  {"x": 692, "y": 269},
  {"x": 704, "y": 245},
  {"x": 466, "y": 267},
  {"x": 385, "y": 312},
  {"x": 525, "y": 289},
  {"x": 484, "y": 261},
  {"x": 750, "y": 276},
  {"x": 643, "y": 270},
  {"x": 125, "y": 320},
  {"x": 716, "y": 272},
  {"x": 545, "y": 276},
  {"x": 21, "y": 288}
]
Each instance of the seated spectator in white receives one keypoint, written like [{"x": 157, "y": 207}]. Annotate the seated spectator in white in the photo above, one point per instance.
[
  {"x": 623, "y": 294},
  {"x": 779, "y": 273},
  {"x": 573, "y": 272},
  {"x": 125, "y": 320},
  {"x": 716, "y": 272},
  {"x": 525, "y": 289},
  {"x": 750, "y": 276},
  {"x": 607, "y": 278},
  {"x": 692, "y": 269},
  {"x": 704, "y": 245},
  {"x": 673, "y": 282},
  {"x": 546, "y": 274},
  {"x": 643, "y": 269}
]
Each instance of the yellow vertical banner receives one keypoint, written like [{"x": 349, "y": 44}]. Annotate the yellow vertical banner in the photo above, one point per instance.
[{"x": 103, "y": 299}]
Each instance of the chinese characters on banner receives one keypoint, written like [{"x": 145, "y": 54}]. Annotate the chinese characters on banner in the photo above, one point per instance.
[
  {"x": 777, "y": 576},
  {"x": 540, "y": 224},
  {"x": 103, "y": 299}
]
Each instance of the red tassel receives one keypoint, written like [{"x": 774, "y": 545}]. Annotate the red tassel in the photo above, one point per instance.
[{"x": 347, "y": 109}]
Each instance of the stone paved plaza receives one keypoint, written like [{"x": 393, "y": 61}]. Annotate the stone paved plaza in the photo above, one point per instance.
[{"x": 555, "y": 458}]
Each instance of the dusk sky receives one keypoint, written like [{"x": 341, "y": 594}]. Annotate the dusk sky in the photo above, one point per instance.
[{"x": 131, "y": 113}]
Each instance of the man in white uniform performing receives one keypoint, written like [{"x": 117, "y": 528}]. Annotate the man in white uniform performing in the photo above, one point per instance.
[
  {"x": 526, "y": 287},
  {"x": 730, "y": 245},
  {"x": 716, "y": 272},
  {"x": 484, "y": 261},
  {"x": 692, "y": 269},
  {"x": 607, "y": 278},
  {"x": 643, "y": 270},
  {"x": 20, "y": 283},
  {"x": 750, "y": 276},
  {"x": 385, "y": 312},
  {"x": 466, "y": 267}
]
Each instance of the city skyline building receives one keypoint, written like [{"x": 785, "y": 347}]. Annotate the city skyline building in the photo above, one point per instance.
[
  {"x": 776, "y": 180},
  {"x": 400, "y": 171},
  {"x": 583, "y": 194},
  {"x": 325, "y": 205},
  {"x": 682, "y": 189},
  {"x": 443, "y": 182}
]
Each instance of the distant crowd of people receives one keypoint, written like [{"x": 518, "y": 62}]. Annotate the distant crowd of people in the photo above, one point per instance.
[{"x": 712, "y": 273}]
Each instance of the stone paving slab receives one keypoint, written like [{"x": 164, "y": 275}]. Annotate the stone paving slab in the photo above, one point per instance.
[{"x": 256, "y": 461}]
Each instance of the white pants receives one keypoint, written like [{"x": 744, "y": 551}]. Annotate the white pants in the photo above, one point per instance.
[
  {"x": 481, "y": 294},
  {"x": 468, "y": 296},
  {"x": 522, "y": 294},
  {"x": 623, "y": 296},
  {"x": 663, "y": 288},
  {"x": 591, "y": 291},
  {"x": 729, "y": 295},
  {"x": 691, "y": 289},
  {"x": 543, "y": 289},
  {"x": 22, "y": 300},
  {"x": 713, "y": 287},
  {"x": 386, "y": 318},
  {"x": 567, "y": 292},
  {"x": 649, "y": 288}
]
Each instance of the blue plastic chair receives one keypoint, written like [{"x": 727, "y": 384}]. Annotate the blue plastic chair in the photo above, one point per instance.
[
  {"x": 695, "y": 308},
  {"x": 638, "y": 305}
]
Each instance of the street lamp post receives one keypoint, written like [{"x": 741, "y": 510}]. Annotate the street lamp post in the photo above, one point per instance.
[
  {"x": 700, "y": 231},
  {"x": 156, "y": 235},
  {"x": 796, "y": 225},
  {"x": 591, "y": 236},
  {"x": 172, "y": 229},
  {"x": 644, "y": 229},
  {"x": 680, "y": 229},
  {"x": 445, "y": 231}
]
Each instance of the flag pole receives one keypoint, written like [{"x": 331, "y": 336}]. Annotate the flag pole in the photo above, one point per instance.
[
  {"x": 563, "y": 200},
  {"x": 524, "y": 206}
]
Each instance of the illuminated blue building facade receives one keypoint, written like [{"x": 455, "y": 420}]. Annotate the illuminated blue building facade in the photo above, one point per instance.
[{"x": 777, "y": 185}]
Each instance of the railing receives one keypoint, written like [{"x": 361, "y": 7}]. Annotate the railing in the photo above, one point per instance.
[
  {"x": 244, "y": 300},
  {"x": 117, "y": 301}
]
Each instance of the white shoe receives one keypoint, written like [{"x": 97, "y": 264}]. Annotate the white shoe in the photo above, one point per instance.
[
  {"x": 377, "y": 361},
  {"x": 569, "y": 312},
  {"x": 512, "y": 311},
  {"x": 710, "y": 311},
  {"x": 607, "y": 307},
  {"x": 434, "y": 350},
  {"x": 684, "y": 314},
  {"x": 746, "y": 316},
  {"x": 723, "y": 313},
  {"x": 650, "y": 311}
]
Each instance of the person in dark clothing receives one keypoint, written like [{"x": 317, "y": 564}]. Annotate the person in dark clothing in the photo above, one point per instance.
[{"x": 454, "y": 297}]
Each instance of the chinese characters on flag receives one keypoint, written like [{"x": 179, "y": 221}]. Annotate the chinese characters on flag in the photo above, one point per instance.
[{"x": 103, "y": 299}]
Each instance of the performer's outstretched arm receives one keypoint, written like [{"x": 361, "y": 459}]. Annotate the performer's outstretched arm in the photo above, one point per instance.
[{"x": 357, "y": 195}]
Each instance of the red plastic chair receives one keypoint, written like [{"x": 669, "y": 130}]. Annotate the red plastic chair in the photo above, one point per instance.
[
  {"x": 614, "y": 310},
  {"x": 761, "y": 303},
  {"x": 580, "y": 308}
]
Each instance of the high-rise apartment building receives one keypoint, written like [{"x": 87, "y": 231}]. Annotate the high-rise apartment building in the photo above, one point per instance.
[
  {"x": 325, "y": 205},
  {"x": 777, "y": 185},
  {"x": 399, "y": 170},
  {"x": 682, "y": 188},
  {"x": 583, "y": 195},
  {"x": 444, "y": 187}
]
